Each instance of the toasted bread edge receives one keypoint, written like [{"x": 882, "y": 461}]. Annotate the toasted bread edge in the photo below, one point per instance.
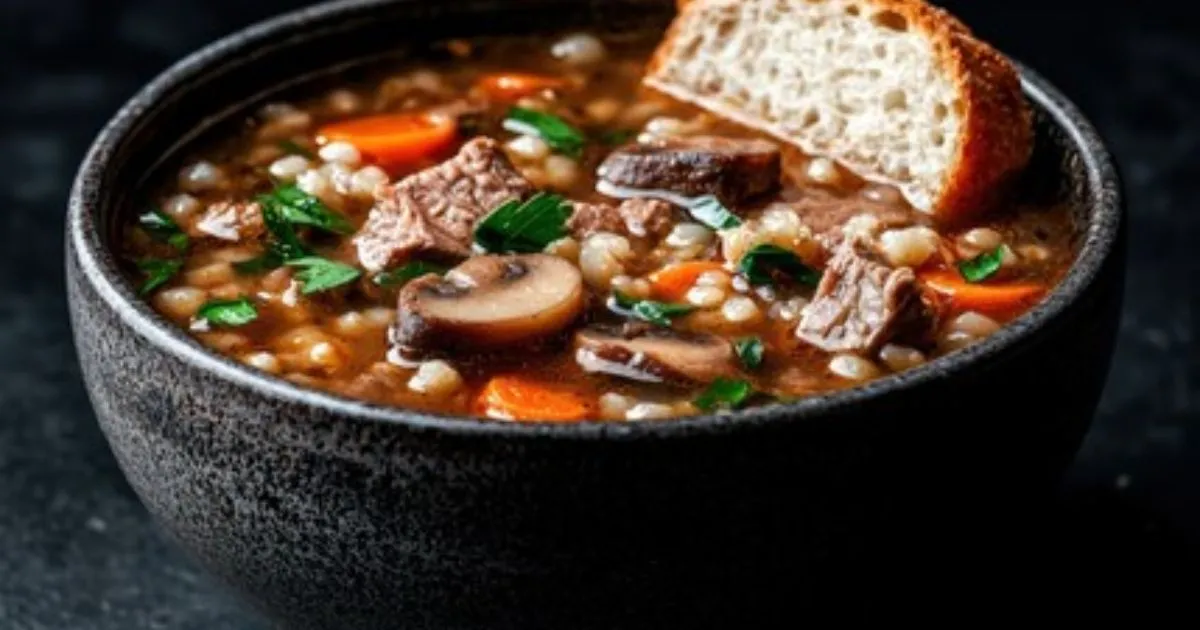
[{"x": 995, "y": 140}]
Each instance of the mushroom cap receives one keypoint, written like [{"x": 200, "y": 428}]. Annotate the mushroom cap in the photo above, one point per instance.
[
  {"x": 654, "y": 355},
  {"x": 489, "y": 302}
]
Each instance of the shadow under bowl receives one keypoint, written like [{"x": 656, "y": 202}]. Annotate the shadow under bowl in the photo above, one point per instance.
[{"x": 332, "y": 513}]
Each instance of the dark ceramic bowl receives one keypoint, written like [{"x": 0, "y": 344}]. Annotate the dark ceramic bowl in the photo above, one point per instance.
[{"x": 334, "y": 514}]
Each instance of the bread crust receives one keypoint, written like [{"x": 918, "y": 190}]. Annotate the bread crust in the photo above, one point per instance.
[{"x": 995, "y": 138}]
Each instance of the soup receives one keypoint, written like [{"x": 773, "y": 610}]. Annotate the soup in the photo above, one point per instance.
[{"x": 515, "y": 229}]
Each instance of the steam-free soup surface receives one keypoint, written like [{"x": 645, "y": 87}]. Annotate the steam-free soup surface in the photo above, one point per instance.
[{"x": 515, "y": 229}]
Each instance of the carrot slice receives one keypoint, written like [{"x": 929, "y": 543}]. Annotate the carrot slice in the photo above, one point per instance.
[
  {"x": 673, "y": 281},
  {"x": 510, "y": 86},
  {"x": 519, "y": 398},
  {"x": 395, "y": 140},
  {"x": 990, "y": 299}
]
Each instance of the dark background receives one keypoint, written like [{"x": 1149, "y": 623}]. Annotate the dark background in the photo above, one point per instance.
[{"x": 78, "y": 552}]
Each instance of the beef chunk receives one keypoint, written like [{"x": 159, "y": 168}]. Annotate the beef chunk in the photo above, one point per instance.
[
  {"x": 229, "y": 221},
  {"x": 732, "y": 169},
  {"x": 589, "y": 218},
  {"x": 434, "y": 211},
  {"x": 862, "y": 304},
  {"x": 634, "y": 217}
]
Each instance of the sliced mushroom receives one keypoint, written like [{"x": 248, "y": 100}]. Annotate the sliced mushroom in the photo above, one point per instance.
[
  {"x": 654, "y": 355},
  {"x": 488, "y": 302}
]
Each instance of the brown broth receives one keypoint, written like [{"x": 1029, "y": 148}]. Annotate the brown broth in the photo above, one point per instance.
[{"x": 337, "y": 340}]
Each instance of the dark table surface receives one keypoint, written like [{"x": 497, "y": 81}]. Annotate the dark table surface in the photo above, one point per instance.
[{"x": 78, "y": 552}]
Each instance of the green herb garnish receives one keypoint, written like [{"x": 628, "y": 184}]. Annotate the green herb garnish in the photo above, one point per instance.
[
  {"x": 711, "y": 212},
  {"x": 523, "y": 228},
  {"x": 557, "y": 133},
  {"x": 282, "y": 209},
  {"x": 749, "y": 351},
  {"x": 237, "y": 312},
  {"x": 291, "y": 148},
  {"x": 759, "y": 263},
  {"x": 400, "y": 276},
  {"x": 158, "y": 273},
  {"x": 983, "y": 266},
  {"x": 161, "y": 226},
  {"x": 284, "y": 244},
  {"x": 616, "y": 137},
  {"x": 259, "y": 264},
  {"x": 300, "y": 208},
  {"x": 321, "y": 274},
  {"x": 657, "y": 313},
  {"x": 724, "y": 394}
]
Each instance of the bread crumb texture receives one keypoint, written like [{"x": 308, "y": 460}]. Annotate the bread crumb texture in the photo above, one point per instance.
[{"x": 896, "y": 90}]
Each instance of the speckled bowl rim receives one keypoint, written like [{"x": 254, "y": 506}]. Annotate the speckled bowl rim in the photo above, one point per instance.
[{"x": 100, "y": 269}]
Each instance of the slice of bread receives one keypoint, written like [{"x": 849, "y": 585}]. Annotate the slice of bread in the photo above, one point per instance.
[{"x": 897, "y": 91}]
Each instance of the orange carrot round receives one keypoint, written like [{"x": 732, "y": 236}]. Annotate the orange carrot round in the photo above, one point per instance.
[
  {"x": 990, "y": 299},
  {"x": 395, "y": 140},
  {"x": 519, "y": 398},
  {"x": 510, "y": 86},
  {"x": 671, "y": 283}
]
